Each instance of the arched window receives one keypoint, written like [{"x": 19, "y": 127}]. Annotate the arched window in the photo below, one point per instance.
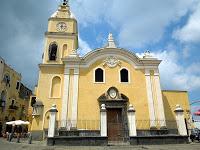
[
  {"x": 65, "y": 51},
  {"x": 53, "y": 51},
  {"x": 6, "y": 79},
  {"x": 3, "y": 99},
  {"x": 56, "y": 87},
  {"x": 99, "y": 75},
  {"x": 124, "y": 75}
]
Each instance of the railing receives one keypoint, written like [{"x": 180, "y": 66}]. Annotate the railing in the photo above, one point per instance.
[
  {"x": 158, "y": 124},
  {"x": 79, "y": 124},
  {"x": 95, "y": 124},
  {"x": 13, "y": 107}
]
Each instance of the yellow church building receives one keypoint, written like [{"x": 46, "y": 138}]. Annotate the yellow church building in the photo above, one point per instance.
[{"x": 110, "y": 94}]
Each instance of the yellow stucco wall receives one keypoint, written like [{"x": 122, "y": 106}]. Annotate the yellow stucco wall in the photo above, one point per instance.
[
  {"x": 12, "y": 94},
  {"x": 43, "y": 93},
  {"x": 89, "y": 92},
  {"x": 171, "y": 99},
  {"x": 71, "y": 25}
]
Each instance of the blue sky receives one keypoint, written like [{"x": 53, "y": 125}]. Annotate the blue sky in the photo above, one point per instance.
[{"x": 170, "y": 29}]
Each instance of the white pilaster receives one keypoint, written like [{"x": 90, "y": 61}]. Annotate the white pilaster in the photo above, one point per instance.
[
  {"x": 65, "y": 97},
  {"x": 180, "y": 120},
  {"x": 131, "y": 121},
  {"x": 52, "y": 121},
  {"x": 150, "y": 99},
  {"x": 75, "y": 97},
  {"x": 103, "y": 116},
  {"x": 160, "y": 106}
]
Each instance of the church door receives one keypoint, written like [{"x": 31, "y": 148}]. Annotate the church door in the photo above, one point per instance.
[{"x": 115, "y": 124}]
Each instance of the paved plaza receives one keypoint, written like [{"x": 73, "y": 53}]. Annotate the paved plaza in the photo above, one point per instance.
[{"x": 5, "y": 145}]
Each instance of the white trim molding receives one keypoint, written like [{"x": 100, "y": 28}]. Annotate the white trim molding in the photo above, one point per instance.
[
  {"x": 160, "y": 107},
  {"x": 75, "y": 97},
  {"x": 119, "y": 53},
  {"x": 150, "y": 99},
  {"x": 65, "y": 97}
]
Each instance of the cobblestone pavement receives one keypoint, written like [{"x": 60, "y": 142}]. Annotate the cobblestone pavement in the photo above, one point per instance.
[{"x": 5, "y": 145}]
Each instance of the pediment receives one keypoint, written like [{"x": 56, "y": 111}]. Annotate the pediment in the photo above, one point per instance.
[{"x": 112, "y": 57}]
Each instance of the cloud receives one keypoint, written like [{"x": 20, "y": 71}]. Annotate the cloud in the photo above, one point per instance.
[
  {"x": 190, "y": 32},
  {"x": 22, "y": 33},
  {"x": 173, "y": 75},
  {"x": 176, "y": 76},
  {"x": 137, "y": 22},
  {"x": 84, "y": 47}
]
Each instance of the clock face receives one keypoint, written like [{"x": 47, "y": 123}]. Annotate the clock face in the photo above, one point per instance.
[
  {"x": 113, "y": 93},
  {"x": 61, "y": 26}
]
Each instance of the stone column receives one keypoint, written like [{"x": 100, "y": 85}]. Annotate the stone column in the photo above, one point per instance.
[
  {"x": 131, "y": 121},
  {"x": 52, "y": 121},
  {"x": 65, "y": 98},
  {"x": 75, "y": 97},
  {"x": 103, "y": 117},
  {"x": 160, "y": 107},
  {"x": 180, "y": 120},
  {"x": 150, "y": 99}
]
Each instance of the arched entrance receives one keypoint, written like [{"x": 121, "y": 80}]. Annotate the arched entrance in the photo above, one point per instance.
[{"x": 117, "y": 122}]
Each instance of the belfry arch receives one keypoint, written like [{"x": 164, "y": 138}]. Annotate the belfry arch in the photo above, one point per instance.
[{"x": 116, "y": 107}]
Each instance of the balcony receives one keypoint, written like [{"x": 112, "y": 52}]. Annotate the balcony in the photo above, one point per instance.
[{"x": 13, "y": 107}]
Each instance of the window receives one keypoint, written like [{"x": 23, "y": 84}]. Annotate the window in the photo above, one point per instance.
[
  {"x": 53, "y": 51},
  {"x": 6, "y": 79},
  {"x": 56, "y": 87},
  {"x": 99, "y": 75},
  {"x": 124, "y": 75},
  {"x": 17, "y": 86},
  {"x": 3, "y": 99},
  {"x": 65, "y": 51}
]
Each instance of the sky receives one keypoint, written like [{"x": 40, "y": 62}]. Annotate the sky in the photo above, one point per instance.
[{"x": 169, "y": 29}]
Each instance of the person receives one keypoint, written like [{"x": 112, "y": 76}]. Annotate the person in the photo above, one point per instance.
[
  {"x": 1, "y": 129},
  {"x": 18, "y": 131},
  {"x": 11, "y": 134}
]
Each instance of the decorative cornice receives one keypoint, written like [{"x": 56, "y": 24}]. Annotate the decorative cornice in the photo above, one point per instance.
[
  {"x": 112, "y": 57},
  {"x": 51, "y": 65},
  {"x": 61, "y": 34},
  {"x": 61, "y": 19}
]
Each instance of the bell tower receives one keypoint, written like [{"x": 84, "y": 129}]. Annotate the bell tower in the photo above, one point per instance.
[{"x": 61, "y": 38}]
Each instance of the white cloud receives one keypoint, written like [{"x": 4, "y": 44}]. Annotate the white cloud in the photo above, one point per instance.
[
  {"x": 175, "y": 76},
  {"x": 138, "y": 22},
  {"x": 190, "y": 32},
  {"x": 84, "y": 47}
]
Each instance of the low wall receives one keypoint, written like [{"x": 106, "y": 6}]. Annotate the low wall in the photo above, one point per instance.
[
  {"x": 158, "y": 139},
  {"x": 78, "y": 141}
]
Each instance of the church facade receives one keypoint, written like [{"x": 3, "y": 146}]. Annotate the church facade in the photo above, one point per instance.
[{"x": 109, "y": 77}]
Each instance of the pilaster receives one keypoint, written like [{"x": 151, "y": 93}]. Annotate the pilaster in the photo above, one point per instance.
[
  {"x": 150, "y": 99},
  {"x": 103, "y": 116},
  {"x": 52, "y": 121},
  {"x": 180, "y": 120},
  {"x": 75, "y": 97},
  {"x": 65, "y": 97},
  {"x": 132, "y": 121},
  {"x": 160, "y": 107}
]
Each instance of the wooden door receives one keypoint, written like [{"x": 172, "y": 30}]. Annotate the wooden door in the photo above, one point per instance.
[{"x": 115, "y": 125}]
